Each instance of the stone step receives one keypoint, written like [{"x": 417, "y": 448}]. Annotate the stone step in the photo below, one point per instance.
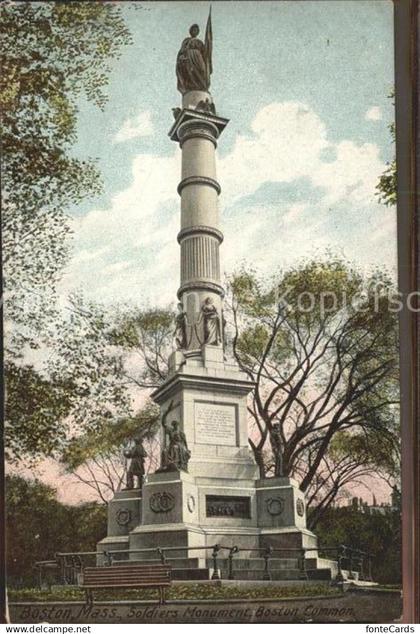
[
  {"x": 184, "y": 568},
  {"x": 257, "y": 564},
  {"x": 175, "y": 562},
  {"x": 258, "y": 575},
  {"x": 190, "y": 574}
]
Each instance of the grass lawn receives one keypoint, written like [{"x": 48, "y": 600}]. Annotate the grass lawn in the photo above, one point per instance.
[{"x": 179, "y": 591}]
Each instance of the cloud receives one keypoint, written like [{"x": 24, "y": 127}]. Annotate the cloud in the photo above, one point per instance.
[
  {"x": 134, "y": 127},
  {"x": 291, "y": 190},
  {"x": 374, "y": 114}
]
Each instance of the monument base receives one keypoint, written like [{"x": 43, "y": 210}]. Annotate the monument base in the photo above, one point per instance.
[{"x": 219, "y": 500}]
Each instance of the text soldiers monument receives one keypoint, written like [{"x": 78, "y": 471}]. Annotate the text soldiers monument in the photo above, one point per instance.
[{"x": 207, "y": 490}]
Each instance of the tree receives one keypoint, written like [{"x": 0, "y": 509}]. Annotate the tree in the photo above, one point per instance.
[
  {"x": 350, "y": 459},
  {"x": 34, "y": 406},
  {"x": 323, "y": 360},
  {"x": 325, "y": 375},
  {"x": 38, "y": 525},
  {"x": 109, "y": 358},
  {"x": 96, "y": 458},
  {"x": 376, "y": 533},
  {"x": 53, "y": 54},
  {"x": 386, "y": 189}
]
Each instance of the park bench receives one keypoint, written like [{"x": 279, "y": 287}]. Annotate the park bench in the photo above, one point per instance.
[{"x": 126, "y": 576}]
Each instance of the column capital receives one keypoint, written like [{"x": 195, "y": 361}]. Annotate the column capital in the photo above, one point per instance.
[{"x": 214, "y": 124}]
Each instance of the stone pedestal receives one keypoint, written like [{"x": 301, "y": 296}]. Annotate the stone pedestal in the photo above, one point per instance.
[
  {"x": 124, "y": 511},
  {"x": 124, "y": 514}
]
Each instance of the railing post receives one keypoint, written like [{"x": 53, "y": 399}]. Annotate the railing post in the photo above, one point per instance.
[
  {"x": 216, "y": 574},
  {"x": 267, "y": 554},
  {"x": 161, "y": 554},
  {"x": 351, "y": 573},
  {"x": 369, "y": 572},
  {"x": 302, "y": 565},
  {"x": 232, "y": 551},
  {"x": 39, "y": 576},
  {"x": 59, "y": 561},
  {"x": 362, "y": 570},
  {"x": 340, "y": 557},
  {"x": 108, "y": 557}
]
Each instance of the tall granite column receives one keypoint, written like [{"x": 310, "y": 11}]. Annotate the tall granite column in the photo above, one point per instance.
[{"x": 197, "y": 129}]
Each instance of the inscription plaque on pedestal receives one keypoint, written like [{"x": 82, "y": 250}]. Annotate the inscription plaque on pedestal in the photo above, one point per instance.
[
  {"x": 228, "y": 506},
  {"x": 215, "y": 424}
]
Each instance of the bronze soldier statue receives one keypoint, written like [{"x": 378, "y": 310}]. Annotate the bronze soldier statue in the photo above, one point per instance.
[
  {"x": 277, "y": 447},
  {"x": 137, "y": 456}
]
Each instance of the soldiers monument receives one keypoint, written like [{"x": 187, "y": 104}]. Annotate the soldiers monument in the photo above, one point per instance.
[{"x": 207, "y": 490}]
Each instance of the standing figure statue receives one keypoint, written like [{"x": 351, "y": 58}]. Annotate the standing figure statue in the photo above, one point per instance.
[
  {"x": 175, "y": 454},
  {"x": 137, "y": 455},
  {"x": 193, "y": 63},
  {"x": 181, "y": 328},
  {"x": 277, "y": 447},
  {"x": 212, "y": 329}
]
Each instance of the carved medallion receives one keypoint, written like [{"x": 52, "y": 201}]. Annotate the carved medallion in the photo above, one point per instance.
[
  {"x": 300, "y": 507},
  {"x": 191, "y": 503},
  {"x": 275, "y": 506},
  {"x": 123, "y": 517},
  {"x": 162, "y": 502}
]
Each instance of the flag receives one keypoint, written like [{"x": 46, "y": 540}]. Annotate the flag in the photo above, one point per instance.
[{"x": 208, "y": 43}]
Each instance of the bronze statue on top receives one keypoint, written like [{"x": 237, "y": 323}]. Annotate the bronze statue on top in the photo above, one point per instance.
[{"x": 194, "y": 63}]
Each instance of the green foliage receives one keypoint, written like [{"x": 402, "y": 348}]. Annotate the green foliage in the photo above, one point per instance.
[
  {"x": 38, "y": 525},
  {"x": 373, "y": 449},
  {"x": 85, "y": 359},
  {"x": 53, "y": 54},
  {"x": 386, "y": 189},
  {"x": 387, "y": 186},
  {"x": 377, "y": 534},
  {"x": 190, "y": 591},
  {"x": 36, "y": 409},
  {"x": 110, "y": 438}
]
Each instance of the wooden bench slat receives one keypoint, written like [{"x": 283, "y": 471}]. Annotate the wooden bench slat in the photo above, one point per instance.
[
  {"x": 124, "y": 585},
  {"x": 132, "y": 566},
  {"x": 110, "y": 579},
  {"x": 126, "y": 572},
  {"x": 148, "y": 576},
  {"x": 128, "y": 576}
]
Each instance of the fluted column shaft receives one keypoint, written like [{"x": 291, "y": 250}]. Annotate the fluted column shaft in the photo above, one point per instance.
[{"x": 200, "y": 237}]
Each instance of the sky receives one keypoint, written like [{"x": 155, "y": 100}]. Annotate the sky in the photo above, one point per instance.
[{"x": 305, "y": 86}]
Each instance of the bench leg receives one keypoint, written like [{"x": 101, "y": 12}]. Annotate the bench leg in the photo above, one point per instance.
[
  {"x": 161, "y": 595},
  {"x": 89, "y": 597}
]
